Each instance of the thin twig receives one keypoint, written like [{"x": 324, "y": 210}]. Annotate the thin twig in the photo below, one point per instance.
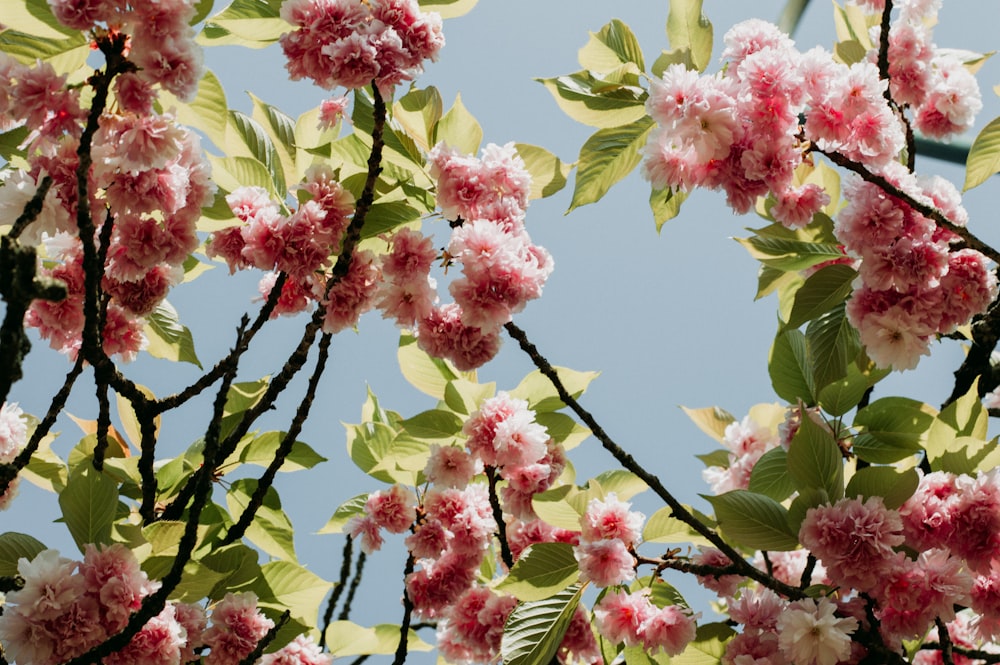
[
  {"x": 404, "y": 627},
  {"x": 345, "y": 611},
  {"x": 505, "y": 553},
  {"x": 345, "y": 572},
  {"x": 267, "y": 639}
]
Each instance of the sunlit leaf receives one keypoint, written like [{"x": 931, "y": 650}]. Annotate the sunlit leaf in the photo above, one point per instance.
[
  {"x": 606, "y": 157},
  {"x": 459, "y": 129},
  {"x": 535, "y": 629},
  {"x": 541, "y": 572},
  {"x": 688, "y": 28},
  {"x": 610, "y": 47},
  {"x": 89, "y": 503},
  {"x": 548, "y": 173},
  {"x": 346, "y": 638},
  {"x": 574, "y": 93},
  {"x": 168, "y": 338},
  {"x": 754, "y": 520}
]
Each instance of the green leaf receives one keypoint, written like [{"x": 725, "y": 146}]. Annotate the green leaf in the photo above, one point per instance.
[
  {"x": 821, "y": 292},
  {"x": 614, "y": 45},
  {"x": 788, "y": 254},
  {"x": 894, "y": 486},
  {"x": 606, "y": 157},
  {"x": 833, "y": 345},
  {"x": 252, "y": 23},
  {"x": 262, "y": 449},
  {"x": 956, "y": 440},
  {"x": 346, "y": 638},
  {"x": 815, "y": 460},
  {"x": 894, "y": 428},
  {"x": 67, "y": 55},
  {"x": 89, "y": 504},
  {"x": 770, "y": 475},
  {"x": 464, "y": 397},
  {"x": 434, "y": 424},
  {"x": 541, "y": 572},
  {"x": 665, "y": 204},
  {"x": 241, "y": 396},
  {"x": 459, "y": 129},
  {"x": 34, "y": 17},
  {"x": 984, "y": 156},
  {"x": 14, "y": 547},
  {"x": 353, "y": 507},
  {"x": 418, "y": 111},
  {"x": 448, "y": 8},
  {"x": 541, "y": 395},
  {"x": 377, "y": 451},
  {"x": 237, "y": 563},
  {"x": 535, "y": 629},
  {"x": 231, "y": 173},
  {"x": 292, "y": 587},
  {"x": 562, "y": 428},
  {"x": 548, "y": 173},
  {"x": 575, "y": 94},
  {"x": 707, "y": 647},
  {"x": 261, "y": 148},
  {"x": 207, "y": 112},
  {"x": 280, "y": 129},
  {"x": 46, "y": 469},
  {"x": 271, "y": 529},
  {"x": 168, "y": 338},
  {"x": 754, "y": 520},
  {"x": 196, "y": 583},
  {"x": 624, "y": 484},
  {"x": 712, "y": 420},
  {"x": 561, "y": 507},
  {"x": 687, "y": 28},
  {"x": 842, "y": 395},
  {"x": 428, "y": 375},
  {"x": 789, "y": 367},
  {"x": 663, "y": 527}
]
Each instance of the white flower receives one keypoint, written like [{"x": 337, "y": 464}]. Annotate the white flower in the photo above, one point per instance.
[{"x": 810, "y": 634}]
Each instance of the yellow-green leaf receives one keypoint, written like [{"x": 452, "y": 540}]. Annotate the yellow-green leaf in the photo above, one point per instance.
[{"x": 984, "y": 157}]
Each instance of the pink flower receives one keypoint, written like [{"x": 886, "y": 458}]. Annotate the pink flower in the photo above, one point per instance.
[
  {"x": 611, "y": 519},
  {"x": 915, "y": 593},
  {"x": 332, "y": 111},
  {"x": 449, "y": 466},
  {"x": 13, "y": 432},
  {"x": 809, "y": 633},
  {"x": 757, "y": 609},
  {"x": 353, "y": 295},
  {"x": 394, "y": 509},
  {"x": 442, "y": 334},
  {"x": 158, "y": 643},
  {"x": 669, "y": 629},
  {"x": 854, "y": 540},
  {"x": 723, "y": 585},
  {"x": 502, "y": 431},
  {"x": 605, "y": 562},
  {"x": 620, "y": 615},
  {"x": 367, "y": 530},
  {"x": 237, "y": 627},
  {"x": 300, "y": 651},
  {"x": 112, "y": 575}
]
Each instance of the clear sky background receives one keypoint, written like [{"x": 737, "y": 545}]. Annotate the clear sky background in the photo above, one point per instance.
[{"x": 668, "y": 319}]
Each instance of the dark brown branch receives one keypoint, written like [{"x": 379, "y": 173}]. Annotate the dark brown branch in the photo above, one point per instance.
[
  {"x": 928, "y": 211},
  {"x": 264, "y": 483},
  {"x": 505, "y": 554},
  {"x": 345, "y": 611},
  {"x": 404, "y": 627},
  {"x": 258, "y": 651},
  {"x": 629, "y": 463},
  {"x": 345, "y": 572}
]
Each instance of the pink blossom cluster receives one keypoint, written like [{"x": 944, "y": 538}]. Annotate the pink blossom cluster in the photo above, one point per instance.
[
  {"x": 393, "y": 510},
  {"x": 778, "y": 632},
  {"x": 747, "y": 441},
  {"x": 501, "y": 268},
  {"x": 740, "y": 131},
  {"x": 911, "y": 286},
  {"x": 237, "y": 627},
  {"x": 300, "y": 245},
  {"x": 67, "y": 607},
  {"x": 39, "y": 98},
  {"x": 150, "y": 175},
  {"x": 351, "y": 43},
  {"x": 13, "y": 437},
  {"x": 162, "y": 43},
  {"x": 609, "y": 532},
  {"x": 300, "y": 651},
  {"x": 633, "y": 619},
  {"x": 951, "y": 523}
]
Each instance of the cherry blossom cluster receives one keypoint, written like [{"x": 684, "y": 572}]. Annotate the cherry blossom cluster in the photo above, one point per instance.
[
  {"x": 151, "y": 178},
  {"x": 67, "y": 607},
  {"x": 633, "y": 619},
  {"x": 951, "y": 524},
  {"x": 746, "y": 441},
  {"x": 162, "y": 43},
  {"x": 351, "y": 43},
  {"x": 300, "y": 245},
  {"x": 911, "y": 286},
  {"x": 502, "y": 269},
  {"x": 13, "y": 436}
]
